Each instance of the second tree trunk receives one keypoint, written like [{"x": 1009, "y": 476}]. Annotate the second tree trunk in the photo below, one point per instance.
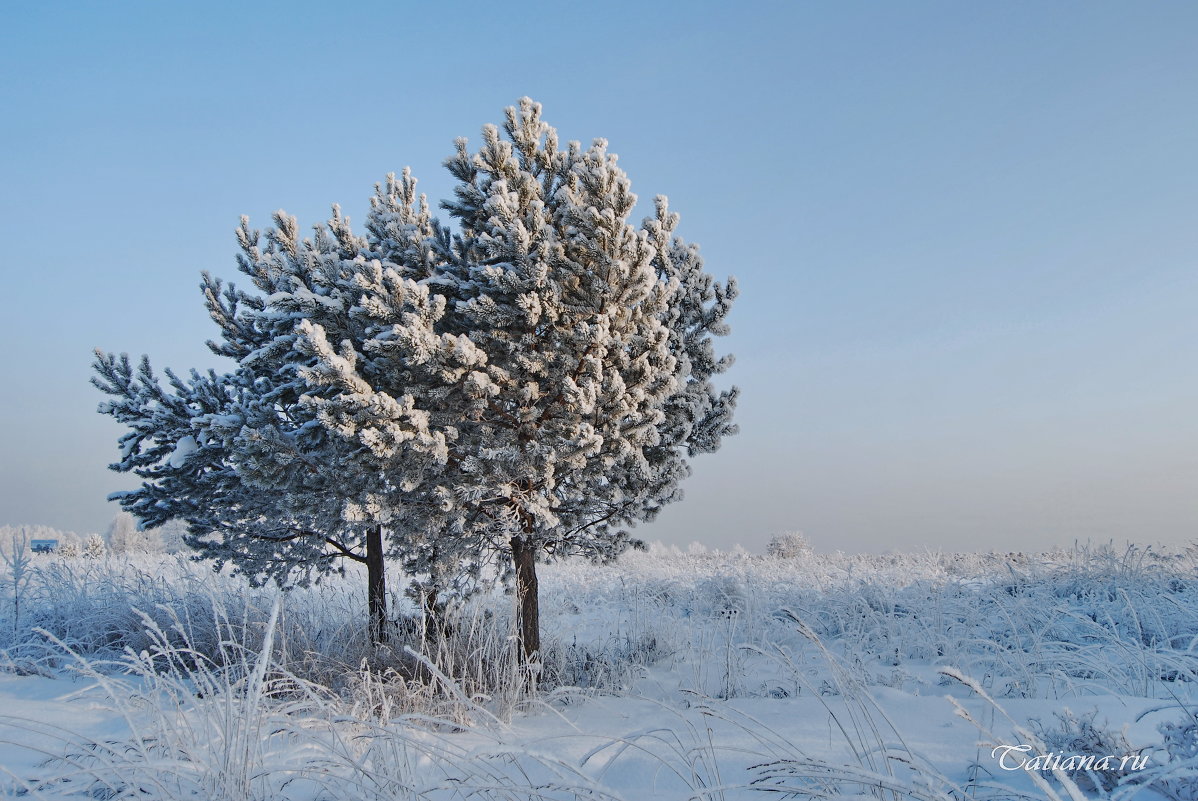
[
  {"x": 376, "y": 585},
  {"x": 524, "y": 555}
]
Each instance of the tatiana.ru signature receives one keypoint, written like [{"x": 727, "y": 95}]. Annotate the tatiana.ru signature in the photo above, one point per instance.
[{"x": 1020, "y": 757}]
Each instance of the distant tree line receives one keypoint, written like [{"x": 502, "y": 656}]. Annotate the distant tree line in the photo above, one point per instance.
[{"x": 121, "y": 537}]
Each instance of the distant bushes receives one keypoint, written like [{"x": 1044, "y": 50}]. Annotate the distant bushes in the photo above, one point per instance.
[{"x": 792, "y": 545}]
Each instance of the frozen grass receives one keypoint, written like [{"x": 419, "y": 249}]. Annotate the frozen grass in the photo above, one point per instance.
[
  {"x": 1055, "y": 625},
  {"x": 228, "y": 692}
]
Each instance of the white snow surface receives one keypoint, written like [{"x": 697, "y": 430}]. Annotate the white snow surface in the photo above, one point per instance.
[
  {"x": 669, "y": 675},
  {"x": 184, "y": 448}
]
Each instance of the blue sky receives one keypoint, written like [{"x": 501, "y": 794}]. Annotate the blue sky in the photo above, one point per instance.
[{"x": 966, "y": 234}]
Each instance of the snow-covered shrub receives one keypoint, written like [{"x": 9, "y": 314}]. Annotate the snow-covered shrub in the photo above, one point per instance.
[
  {"x": 17, "y": 560},
  {"x": 613, "y": 665},
  {"x": 124, "y": 537},
  {"x": 790, "y": 545},
  {"x": 1177, "y": 776},
  {"x": 1181, "y": 738},
  {"x": 169, "y": 536},
  {"x": 1081, "y": 739},
  {"x": 725, "y": 596}
]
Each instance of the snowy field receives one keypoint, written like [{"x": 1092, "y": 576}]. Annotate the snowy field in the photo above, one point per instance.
[{"x": 670, "y": 675}]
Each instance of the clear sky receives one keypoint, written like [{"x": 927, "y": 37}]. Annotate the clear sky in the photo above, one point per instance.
[{"x": 966, "y": 233}]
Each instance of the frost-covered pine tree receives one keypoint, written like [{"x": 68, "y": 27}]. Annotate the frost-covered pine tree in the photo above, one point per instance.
[
  {"x": 598, "y": 337},
  {"x": 254, "y": 460},
  {"x": 572, "y": 374},
  {"x": 94, "y": 547}
]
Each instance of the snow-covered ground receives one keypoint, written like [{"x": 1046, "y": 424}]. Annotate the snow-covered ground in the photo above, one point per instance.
[{"x": 669, "y": 675}]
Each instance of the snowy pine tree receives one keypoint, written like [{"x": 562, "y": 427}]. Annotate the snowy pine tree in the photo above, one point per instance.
[
  {"x": 254, "y": 460},
  {"x": 572, "y": 374},
  {"x": 94, "y": 547}
]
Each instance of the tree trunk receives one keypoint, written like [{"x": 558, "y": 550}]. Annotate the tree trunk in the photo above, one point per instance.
[
  {"x": 435, "y": 623},
  {"x": 376, "y": 585},
  {"x": 524, "y": 555}
]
